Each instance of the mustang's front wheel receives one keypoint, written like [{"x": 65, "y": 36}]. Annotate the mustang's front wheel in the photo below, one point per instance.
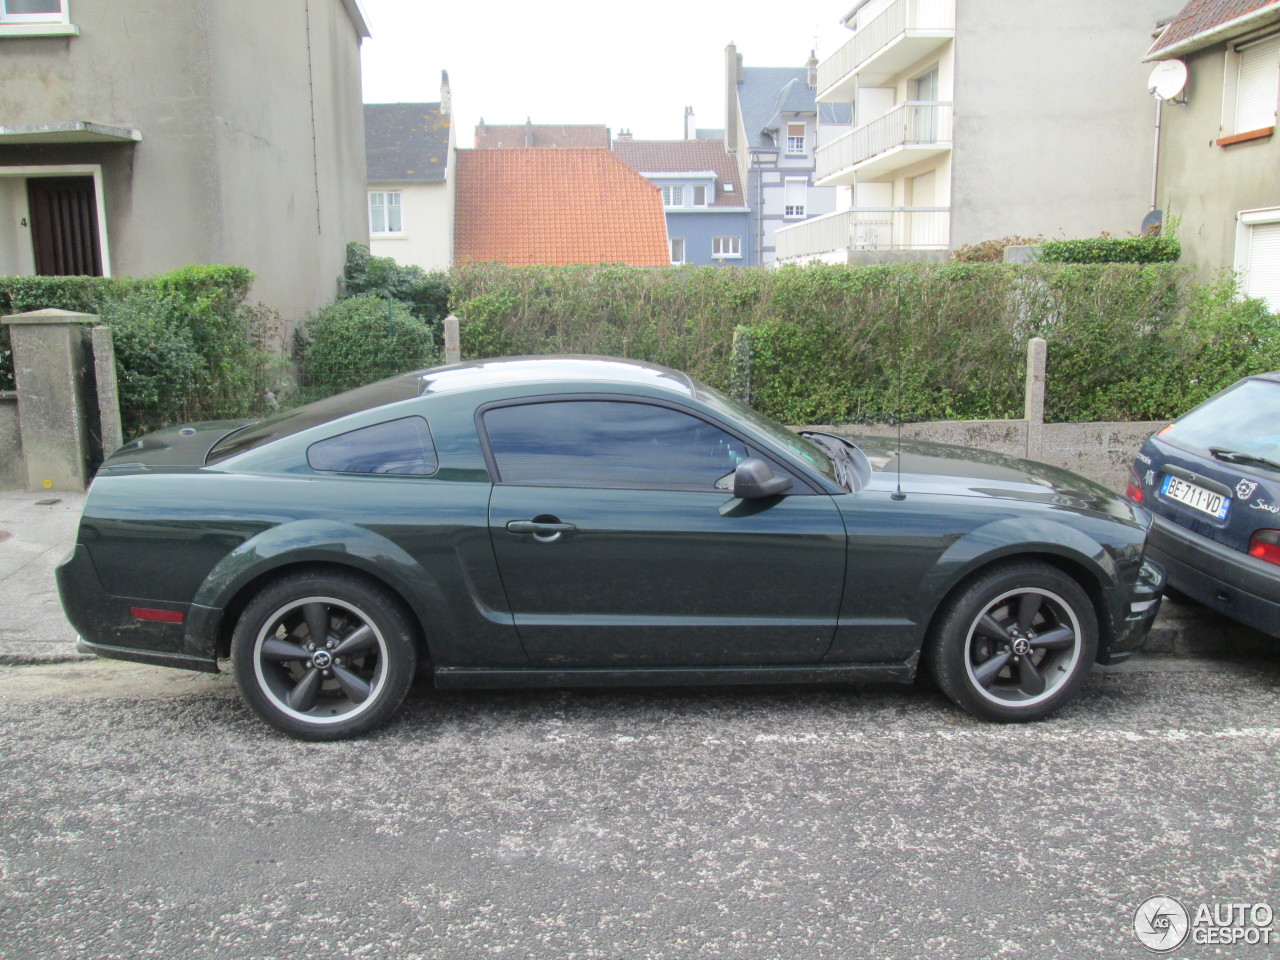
[
  {"x": 1016, "y": 643},
  {"x": 323, "y": 656}
]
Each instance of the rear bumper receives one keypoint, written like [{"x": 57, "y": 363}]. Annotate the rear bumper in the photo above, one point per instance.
[
  {"x": 107, "y": 627},
  {"x": 1143, "y": 607},
  {"x": 1240, "y": 587}
]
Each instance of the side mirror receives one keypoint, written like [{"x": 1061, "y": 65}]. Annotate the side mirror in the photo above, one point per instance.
[{"x": 753, "y": 479}]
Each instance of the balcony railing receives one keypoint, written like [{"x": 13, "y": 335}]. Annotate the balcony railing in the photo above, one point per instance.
[
  {"x": 914, "y": 123},
  {"x": 900, "y": 17},
  {"x": 867, "y": 228}
]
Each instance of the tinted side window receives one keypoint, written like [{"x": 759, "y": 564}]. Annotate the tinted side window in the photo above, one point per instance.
[
  {"x": 605, "y": 443},
  {"x": 401, "y": 447}
]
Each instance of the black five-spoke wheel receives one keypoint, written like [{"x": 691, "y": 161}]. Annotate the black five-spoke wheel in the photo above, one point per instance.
[
  {"x": 323, "y": 656},
  {"x": 1015, "y": 643}
]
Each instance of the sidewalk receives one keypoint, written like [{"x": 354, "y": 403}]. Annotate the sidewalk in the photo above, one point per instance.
[{"x": 36, "y": 535}]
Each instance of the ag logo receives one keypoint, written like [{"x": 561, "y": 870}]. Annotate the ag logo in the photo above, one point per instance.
[
  {"x": 1161, "y": 923},
  {"x": 1245, "y": 488}
]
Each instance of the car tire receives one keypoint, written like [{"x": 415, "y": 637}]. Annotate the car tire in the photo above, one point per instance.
[
  {"x": 1014, "y": 643},
  {"x": 342, "y": 684}
]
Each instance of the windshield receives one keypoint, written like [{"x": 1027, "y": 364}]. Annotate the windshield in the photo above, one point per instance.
[
  {"x": 1243, "y": 423},
  {"x": 288, "y": 422},
  {"x": 795, "y": 444}
]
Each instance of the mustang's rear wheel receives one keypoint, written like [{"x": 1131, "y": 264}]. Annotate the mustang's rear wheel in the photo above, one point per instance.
[
  {"x": 323, "y": 656},
  {"x": 1016, "y": 643}
]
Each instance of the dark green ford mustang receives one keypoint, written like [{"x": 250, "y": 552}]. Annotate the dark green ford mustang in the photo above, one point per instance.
[{"x": 579, "y": 520}]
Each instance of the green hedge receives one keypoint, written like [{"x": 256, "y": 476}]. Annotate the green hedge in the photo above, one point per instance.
[
  {"x": 1112, "y": 250},
  {"x": 187, "y": 345},
  {"x": 424, "y": 293},
  {"x": 867, "y": 344}
]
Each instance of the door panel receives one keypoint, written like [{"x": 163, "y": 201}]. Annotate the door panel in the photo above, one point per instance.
[
  {"x": 64, "y": 226},
  {"x": 669, "y": 577}
]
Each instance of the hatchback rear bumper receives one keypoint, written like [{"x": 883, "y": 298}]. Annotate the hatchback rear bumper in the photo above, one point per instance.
[{"x": 1224, "y": 580}]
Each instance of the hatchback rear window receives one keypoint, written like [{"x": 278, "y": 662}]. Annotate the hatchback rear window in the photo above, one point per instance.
[{"x": 1244, "y": 419}]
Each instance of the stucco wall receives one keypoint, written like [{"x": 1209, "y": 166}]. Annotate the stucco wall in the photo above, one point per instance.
[
  {"x": 428, "y": 238},
  {"x": 698, "y": 229},
  {"x": 1054, "y": 129},
  {"x": 222, "y": 91},
  {"x": 1207, "y": 185}
]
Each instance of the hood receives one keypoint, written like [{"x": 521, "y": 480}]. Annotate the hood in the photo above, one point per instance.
[
  {"x": 941, "y": 468},
  {"x": 186, "y": 445}
]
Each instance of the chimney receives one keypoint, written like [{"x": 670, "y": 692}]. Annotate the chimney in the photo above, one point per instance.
[
  {"x": 623, "y": 135},
  {"x": 446, "y": 95},
  {"x": 690, "y": 124},
  {"x": 813, "y": 71},
  {"x": 528, "y": 131},
  {"x": 732, "y": 77}
]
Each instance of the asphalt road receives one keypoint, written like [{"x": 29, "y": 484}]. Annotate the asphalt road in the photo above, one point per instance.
[{"x": 146, "y": 813}]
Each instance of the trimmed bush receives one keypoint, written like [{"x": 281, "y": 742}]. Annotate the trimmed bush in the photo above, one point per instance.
[
  {"x": 1112, "y": 250},
  {"x": 425, "y": 294},
  {"x": 359, "y": 340}
]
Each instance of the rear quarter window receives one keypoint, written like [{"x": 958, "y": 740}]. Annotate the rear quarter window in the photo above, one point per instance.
[
  {"x": 1243, "y": 419},
  {"x": 402, "y": 447}
]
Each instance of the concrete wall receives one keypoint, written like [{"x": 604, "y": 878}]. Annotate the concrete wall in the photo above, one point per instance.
[
  {"x": 252, "y": 125},
  {"x": 1054, "y": 129},
  {"x": 1099, "y": 451},
  {"x": 13, "y": 469},
  {"x": 1207, "y": 185}
]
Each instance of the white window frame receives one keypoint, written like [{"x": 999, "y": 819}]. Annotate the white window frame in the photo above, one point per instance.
[
  {"x": 673, "y": 194},
  {"x": 724, "y": 248},
  {"x": 37, "y": 24},
  {"x": 795, "y": 145},
  {"x": 792, "y": 211},
  {"x": 1246, "y": 220},
  {"x": 386, "y": 207},
  {"x": 671, "y": 245},
  {"x": 1231, "y": 93}
]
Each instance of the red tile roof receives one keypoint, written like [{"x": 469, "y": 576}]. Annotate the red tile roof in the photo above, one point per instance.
[
  {"x": 518, "y": 135},
  {"x": 686, "y": 156},
  {"x": 558, "y": 207},
  {"x": 1201, "y": 22}
]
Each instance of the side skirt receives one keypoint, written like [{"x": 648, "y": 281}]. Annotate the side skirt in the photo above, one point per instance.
[{"x": 451, "y": 677}]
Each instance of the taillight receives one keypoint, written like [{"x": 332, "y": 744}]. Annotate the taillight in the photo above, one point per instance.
[
  {"x": 1265, "y": 545},
  {"x": 1133, "y": 489}
]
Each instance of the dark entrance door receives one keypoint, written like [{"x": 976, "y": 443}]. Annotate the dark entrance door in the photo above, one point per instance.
[{"x": 64, "y": 226}]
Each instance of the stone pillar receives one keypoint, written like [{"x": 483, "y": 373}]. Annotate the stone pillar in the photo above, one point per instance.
[
  {"x": 1037, "y": 354},
  {"x": 49, "y": 361},
  {"x": 452, "y": 340},
  {"x": 104, "y": 364}
]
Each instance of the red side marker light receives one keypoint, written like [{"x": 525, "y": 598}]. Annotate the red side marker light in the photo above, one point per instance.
[{"x": 164, "y": 616}]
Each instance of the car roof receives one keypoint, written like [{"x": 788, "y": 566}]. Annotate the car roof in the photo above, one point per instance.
[{"x": 568, "y": 370}]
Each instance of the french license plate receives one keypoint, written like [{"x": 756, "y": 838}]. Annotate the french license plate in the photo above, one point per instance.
[{"x": 1196, "y": 497}]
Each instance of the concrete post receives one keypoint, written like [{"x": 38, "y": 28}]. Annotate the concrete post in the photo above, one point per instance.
[
  {"x": 1037, "y": 354},
  {"x": 49, "y": 360},
  {"x": 104, "y": 364},
  {"x": 452, "y": 340}
]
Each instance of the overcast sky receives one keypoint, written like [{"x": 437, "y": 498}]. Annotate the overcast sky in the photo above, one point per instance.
[{"x": 585, "y": 61}]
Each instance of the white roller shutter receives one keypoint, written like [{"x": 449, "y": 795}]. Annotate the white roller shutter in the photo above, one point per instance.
[
  {"x": 1262, "y": 276},
  {"x": 1258, "y": 84}
]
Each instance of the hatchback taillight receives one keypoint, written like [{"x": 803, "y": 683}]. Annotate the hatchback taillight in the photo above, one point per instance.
[
  {"x": 1265, "y": 545},
  {"x": 1133, "y": 489}
]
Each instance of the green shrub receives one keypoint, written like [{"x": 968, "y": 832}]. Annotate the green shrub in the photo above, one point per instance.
[
  {"x": 1112, "y": 250},
  {"x": 426, "y": 294},
  {"x": 991, "y": 251},
  {"x": 359, "y": 340}
]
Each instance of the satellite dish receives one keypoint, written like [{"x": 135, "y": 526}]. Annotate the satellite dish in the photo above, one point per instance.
[{"x": 1167, "y": 80}]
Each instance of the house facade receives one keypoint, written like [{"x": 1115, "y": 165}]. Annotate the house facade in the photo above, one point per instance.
[
  {"x": 410, "y": 157},
  {"x": 979, "y": 120},
  {"x": 135, "y": 138},
  {"x": 1219, "y": 170},
  {"x": 708, "y": 220},
  {"x": 773, "y": 131}
]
